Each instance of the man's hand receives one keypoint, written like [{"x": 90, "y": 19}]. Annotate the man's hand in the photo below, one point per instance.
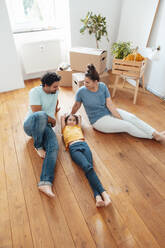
[{"x": 51, "y": 121}]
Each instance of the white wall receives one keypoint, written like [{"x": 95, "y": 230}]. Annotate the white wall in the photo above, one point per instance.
[
  {"x": 155, "y": 74},
  {"x": 108, "y": 8},
  {"x": 10, "y": 70},
  {"x": 136, "y": 21}
]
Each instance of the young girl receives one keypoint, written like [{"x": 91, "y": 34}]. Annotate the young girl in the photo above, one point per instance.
[{"x": 81, "y": 155}]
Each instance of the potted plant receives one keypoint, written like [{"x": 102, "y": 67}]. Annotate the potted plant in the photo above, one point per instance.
[
  {"x": 121, "y": 49},
  {"x": 95, "y": 24}
]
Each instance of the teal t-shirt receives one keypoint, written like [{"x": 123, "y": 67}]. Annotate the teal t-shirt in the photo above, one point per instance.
[
  {"x": 94, "y": 102},
  {"x": 48, "y": 102}
]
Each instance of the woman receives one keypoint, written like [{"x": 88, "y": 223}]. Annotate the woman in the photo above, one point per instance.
[{"x": 102, "y": 113}]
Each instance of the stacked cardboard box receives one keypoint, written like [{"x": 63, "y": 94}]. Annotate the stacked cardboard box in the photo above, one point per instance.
[
  {"x": 66, "y": 77},
  {"x": 80, "y": 57},
  {"x": 78, "y": 80}
]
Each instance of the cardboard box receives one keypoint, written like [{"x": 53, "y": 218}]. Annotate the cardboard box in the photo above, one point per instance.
[
  {"x": 77, "y": 81},
  {"x": 80, "y": 57},
  {"x": 66, "y": 77}
]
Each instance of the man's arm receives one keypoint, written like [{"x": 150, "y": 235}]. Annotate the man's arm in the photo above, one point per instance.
[
  {"x": 112, "y": 108},
  {"x": 36, "y": 108},
  {"x": 75, "y": 107}
]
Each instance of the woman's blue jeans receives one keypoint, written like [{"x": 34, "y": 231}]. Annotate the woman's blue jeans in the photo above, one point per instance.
[
  {"x": 82, "y": 156},
  {"x": 36, "y": 126}
]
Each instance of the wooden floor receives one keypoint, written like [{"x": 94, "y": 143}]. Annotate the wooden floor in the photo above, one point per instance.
[{"x": 131, "y": 169}]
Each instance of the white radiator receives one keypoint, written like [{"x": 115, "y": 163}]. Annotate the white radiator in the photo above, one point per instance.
[{"x": 41, "y": 56}]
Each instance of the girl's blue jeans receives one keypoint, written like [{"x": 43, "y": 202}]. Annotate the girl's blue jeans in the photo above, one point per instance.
[
  {"x": 37, "y": 126},
  {"x": 82, "y": 156}
]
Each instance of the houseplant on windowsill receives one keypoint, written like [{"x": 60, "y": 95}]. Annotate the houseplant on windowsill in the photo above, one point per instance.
[{"x": 95, "y": 24}]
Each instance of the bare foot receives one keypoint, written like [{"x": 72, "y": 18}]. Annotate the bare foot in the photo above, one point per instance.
[
  {"x": 46, "y": 189},
  {"x": 160, "y": 137},
  {"x": 106, "y": 197},
  {"x": 41, "y": 152},
  {"x": 99, "y": 201},
  {"x": 163, "y": 132}
]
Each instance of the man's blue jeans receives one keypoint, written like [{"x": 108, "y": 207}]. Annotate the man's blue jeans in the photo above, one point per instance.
[
  {"x": 36, "y": 126},
  {"x": 81, "y": 155}
]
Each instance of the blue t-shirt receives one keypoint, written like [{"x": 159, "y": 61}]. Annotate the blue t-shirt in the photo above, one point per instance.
[
  {"x": 48, "y": 102},
  {"x": 94, "y": 102}
]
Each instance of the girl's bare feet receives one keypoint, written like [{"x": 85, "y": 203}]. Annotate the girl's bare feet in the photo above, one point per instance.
[
  {"x": 106, "y": 197},
  {"x": 46, "y": 189},
  {"x": 99, "y": 201},
  {"x": 41, "y": 152}
]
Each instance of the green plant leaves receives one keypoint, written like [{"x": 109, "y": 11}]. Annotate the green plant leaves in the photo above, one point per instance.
[
  {"x": 96, "y": 24},
  {"x": 121, "y": 49}
]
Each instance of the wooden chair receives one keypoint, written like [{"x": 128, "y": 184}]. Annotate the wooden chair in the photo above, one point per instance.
[{"x": 129, "y": 69}]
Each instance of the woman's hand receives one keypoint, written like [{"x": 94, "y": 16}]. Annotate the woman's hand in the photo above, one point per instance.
[{"x": 112, "y": 108}]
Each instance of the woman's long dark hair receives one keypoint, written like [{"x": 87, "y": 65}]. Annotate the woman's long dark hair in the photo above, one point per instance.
[{"x": 91, "y": 73}]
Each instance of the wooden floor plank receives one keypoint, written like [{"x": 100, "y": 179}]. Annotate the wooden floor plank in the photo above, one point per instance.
[
  {"x": 50, "y": 209},
  {"x": 132, "y": 170},
  {"x": 86, "y": 201},
  {"x": 38, "y": 223},
  {"x": 78, "y": 227},
  {"x": 21, "y": 234},
  {"x": 5, "y": 226},
  {"x": 121, "y": 201}
]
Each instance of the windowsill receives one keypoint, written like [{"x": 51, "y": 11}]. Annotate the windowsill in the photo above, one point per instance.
[
  {"x": 40, "y": 35},
  {"x": 34, "y": 30}
]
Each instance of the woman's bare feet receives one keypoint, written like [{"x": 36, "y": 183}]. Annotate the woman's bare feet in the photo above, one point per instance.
[
  {"x": 41, "y": 152},
  {"x": 99, "y": 201},
  {"x": 159, "y": 137},
  {"x": 46, "y": 189},
  {"x": 106, "y": 198}
]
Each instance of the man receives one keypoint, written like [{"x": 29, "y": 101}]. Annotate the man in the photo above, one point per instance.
[{"x": 38, "y": 124}]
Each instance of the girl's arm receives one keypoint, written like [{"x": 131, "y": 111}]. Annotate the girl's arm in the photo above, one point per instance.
[
  {"x": 63, "y": 122},
  {"x": 112, "y": 108},
  {"x": 79, "y": 120},
  {"x": 57, "y": 107}
]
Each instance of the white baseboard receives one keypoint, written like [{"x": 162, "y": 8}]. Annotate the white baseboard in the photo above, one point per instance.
[{"x": 155, "y": 93}]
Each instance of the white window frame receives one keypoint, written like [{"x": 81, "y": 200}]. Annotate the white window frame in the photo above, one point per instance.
[{"x": 31, "y": 25}]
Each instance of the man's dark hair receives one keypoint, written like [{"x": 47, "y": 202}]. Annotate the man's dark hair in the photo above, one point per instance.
[
  {"x": 49, "y": 78},
  {"x": 76, "y": 117}
]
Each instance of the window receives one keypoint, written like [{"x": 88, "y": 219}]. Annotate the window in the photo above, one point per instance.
[{"x": 31, "y": 15}]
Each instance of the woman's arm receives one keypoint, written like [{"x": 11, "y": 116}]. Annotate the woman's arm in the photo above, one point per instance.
[
  {"x": 75, "y": 107},
  {"x": 112, "y": 108}
]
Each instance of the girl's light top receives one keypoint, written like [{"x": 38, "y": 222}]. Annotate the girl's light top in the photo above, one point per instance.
[{"x": 72, "y": 133}]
